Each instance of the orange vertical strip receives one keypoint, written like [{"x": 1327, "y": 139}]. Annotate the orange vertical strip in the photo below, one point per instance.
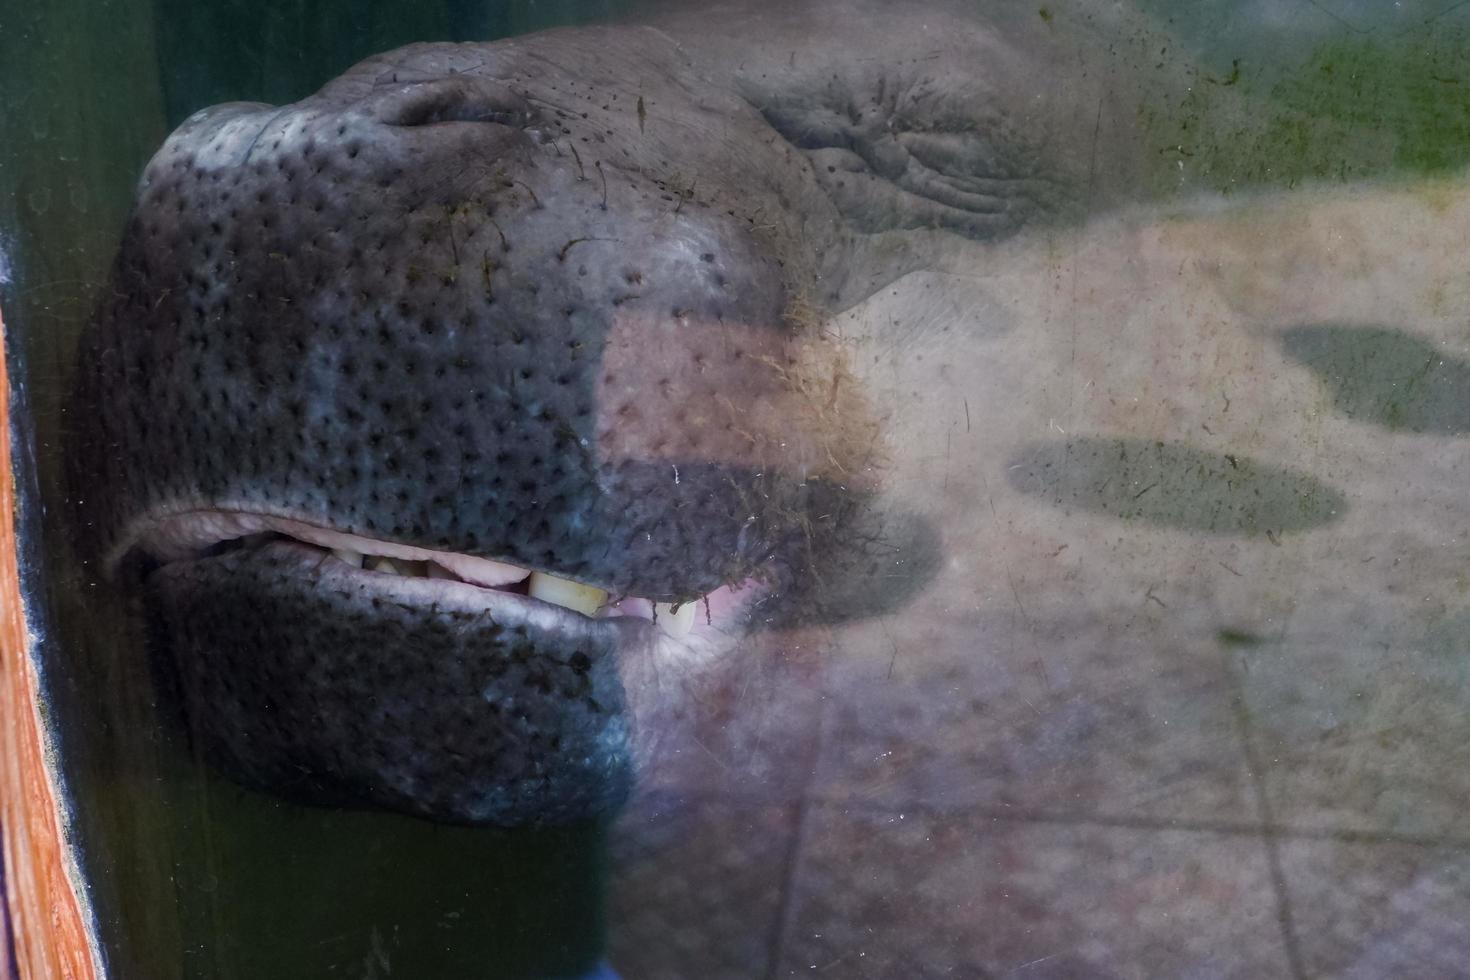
[{"x": 50, "y": 940}]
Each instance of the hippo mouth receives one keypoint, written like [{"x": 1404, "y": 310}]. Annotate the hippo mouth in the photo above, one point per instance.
[
  {"x": 437, "y": 579},
  {"x": 331, "y": 668}
]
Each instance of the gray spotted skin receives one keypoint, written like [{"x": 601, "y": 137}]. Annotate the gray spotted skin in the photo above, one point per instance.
[{"x": 350, "y": 696}]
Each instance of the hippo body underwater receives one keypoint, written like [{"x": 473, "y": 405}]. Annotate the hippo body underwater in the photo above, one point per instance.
[{"x": 457, "y": 419}]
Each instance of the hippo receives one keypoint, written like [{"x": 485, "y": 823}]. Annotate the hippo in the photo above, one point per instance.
[{"x": 460, "y": 420}]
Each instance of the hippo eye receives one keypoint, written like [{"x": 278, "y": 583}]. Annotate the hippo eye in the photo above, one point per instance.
[{"x": 454, "y": 101}]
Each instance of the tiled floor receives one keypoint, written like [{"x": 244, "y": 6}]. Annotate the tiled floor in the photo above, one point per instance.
[
  {"x": 1086, "y": 718},
  {"x": 700, "y": 888},
  {"x": 1368, "y": 910},
  {"x": 884, "y": 894},
  {"x": 1365, "y": 733},
  {"x": 1131, "y": 806}
]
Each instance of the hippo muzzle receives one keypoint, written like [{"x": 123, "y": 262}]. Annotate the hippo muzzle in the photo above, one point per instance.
[{"x": 449, "y": 426}]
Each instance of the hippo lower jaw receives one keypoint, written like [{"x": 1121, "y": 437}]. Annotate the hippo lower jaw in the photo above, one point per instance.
[{"x": 331, "y": 668}]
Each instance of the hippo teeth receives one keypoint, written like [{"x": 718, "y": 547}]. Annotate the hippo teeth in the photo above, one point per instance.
[
  {"x": 674, "y": 619},
  {"x": 584, "y": 599},
  {"x": 194, "y": 534}
]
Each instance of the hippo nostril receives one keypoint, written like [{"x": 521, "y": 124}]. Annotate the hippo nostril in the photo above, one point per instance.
[{"x": 454, "y": 100}]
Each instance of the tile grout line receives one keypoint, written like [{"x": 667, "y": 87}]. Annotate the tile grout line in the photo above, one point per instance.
[
  {"x": 786, "y": 905},
  {"x": 1268, "y": 831},
  {"x": 1255, "y": 828}
]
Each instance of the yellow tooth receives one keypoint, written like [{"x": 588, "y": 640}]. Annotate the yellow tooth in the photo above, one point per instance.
[
  {"x": 573, "y": 595},
  {"x": 381, "y": 564},
  {"x": 675, "y": 623},
  {"x": 353, "y": 558}
]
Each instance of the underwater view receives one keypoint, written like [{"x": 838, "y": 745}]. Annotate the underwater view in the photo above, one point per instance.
[{"x": 736, "y": 489}]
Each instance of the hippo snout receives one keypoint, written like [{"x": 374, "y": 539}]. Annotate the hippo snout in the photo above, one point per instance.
[{"x": 438, "y": 413}]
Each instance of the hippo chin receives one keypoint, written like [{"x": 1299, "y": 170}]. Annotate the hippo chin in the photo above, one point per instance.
[{"x": 458, "y": 418}]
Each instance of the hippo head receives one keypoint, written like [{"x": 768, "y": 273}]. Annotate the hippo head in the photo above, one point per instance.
[
  {"x": 456, "y": 418},
  {"x": 447, "y": 418}
]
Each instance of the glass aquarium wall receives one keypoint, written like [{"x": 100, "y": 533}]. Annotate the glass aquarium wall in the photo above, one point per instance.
[{"x": 740, "y": 489}]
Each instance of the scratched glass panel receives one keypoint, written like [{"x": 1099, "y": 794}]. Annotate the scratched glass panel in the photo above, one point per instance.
[{"x": 748, "y": 489}]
